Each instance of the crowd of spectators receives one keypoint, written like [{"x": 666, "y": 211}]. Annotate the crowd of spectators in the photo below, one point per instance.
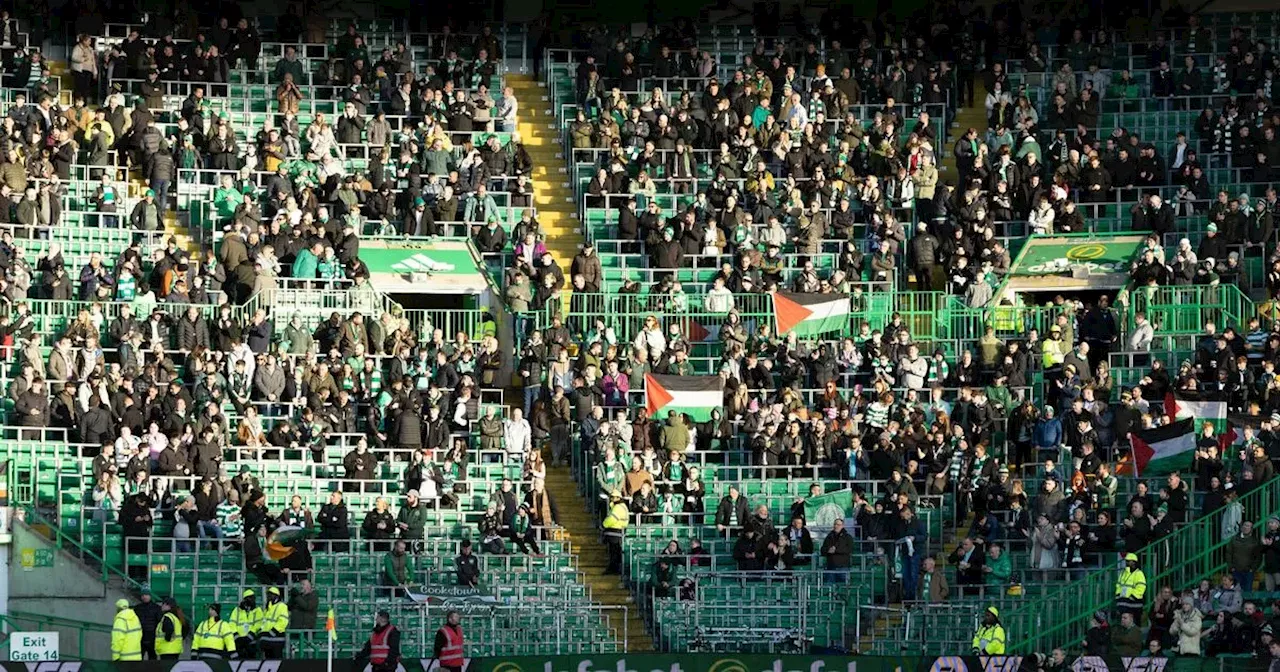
[
  {"x": 808, "y": 153},
  {"x": 786, "y": 156},
  {"x": 164, "y": 379}
]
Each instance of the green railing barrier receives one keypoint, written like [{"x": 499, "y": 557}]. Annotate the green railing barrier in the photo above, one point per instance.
[
  {"x": 1185, "y": 309},
  {"x": 934, "y": 319},
  {"x": 24, "y": 621},
  {"x": 924, "y": 313},
  {"x": 969, "y": 324},
  {"x": 92, "y": 558},
  {"x": 1195, "y": 551}
]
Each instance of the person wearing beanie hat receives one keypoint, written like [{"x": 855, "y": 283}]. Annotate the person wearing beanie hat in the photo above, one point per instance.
[
  {"x": 146, "y": 215},
  {"x": 381, "y": 653},
  {"x": 1187, "y": 627},
  {"x": 214, "y": 639},
  {"x": 419, "y": 220},
  {"x": 924, "y": 255},
  {"x": 1215, "y": 241},
  {"x": 148, "y": 611},
  {"x": 1097, "y": 640}
]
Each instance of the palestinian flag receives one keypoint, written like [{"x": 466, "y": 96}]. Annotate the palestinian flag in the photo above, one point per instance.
[
  {"x": 810, "y": 314},
  {"x": 1165, "y": 449},
  {"x": 281, "y": 543},
  {"x": 695, "y": 396},
  {"x": 1178, "y": 408},
  {"x": 696, "y": 331},
  {"x": 1228, "y": 440}
]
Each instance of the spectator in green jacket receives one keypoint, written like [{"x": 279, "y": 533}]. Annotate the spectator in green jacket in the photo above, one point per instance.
[
  {"x": 1126, "y": 638},
  {"x": 1123, "y": 88},
  {"x": 1244, "y": 554},
  {"x": 997, "y": 569},
  {"x": 297, "y": 339},
  {"x": 1028, "y": 146},
  {"x": 412, "y": 519},
  {"x": 397, "y": 568},
  {"x": 307, "y": 263},
  {"x": 226, "y": 198},
  {"x": 675, "y": 436},
  {"x": 998, "y": 394},
  {"x": 437, "y": 160},
  {"x": 304, "y": 605}
]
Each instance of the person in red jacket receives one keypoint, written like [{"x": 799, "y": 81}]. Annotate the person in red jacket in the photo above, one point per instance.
[
  {"x": 382, "y": 651},
  {"x": 449, "y": 644}
]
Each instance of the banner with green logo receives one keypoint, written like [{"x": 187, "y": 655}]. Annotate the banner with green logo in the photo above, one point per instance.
[
  {"x": 445, "y": 266},
  {"x": 1099, "y": 255},
  {"x": 821, "y": 512}
]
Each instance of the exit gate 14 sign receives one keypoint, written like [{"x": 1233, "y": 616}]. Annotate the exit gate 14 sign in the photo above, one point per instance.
[{"x": 31, "y": 647}]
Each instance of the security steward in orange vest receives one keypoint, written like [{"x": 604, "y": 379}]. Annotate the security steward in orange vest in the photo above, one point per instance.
[
  {"x": 382, "y": 651},
  {"x": 448, "y": 648}
]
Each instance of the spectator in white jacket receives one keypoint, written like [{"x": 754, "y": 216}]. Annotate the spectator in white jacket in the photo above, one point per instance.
[
  {"x": 84, "y": 68},
  {"x": 507, "y": 110},
  {"x": 1188, "y": 627},
  {"x": 1143, "y": 334},
  {"x": 995, "y": 96},
  {"x": 719, "y": 299},
  {"x": 517, "y": 436},
  {"x": 1041, "y": 219},
  {"x": 913, "y": 369}
]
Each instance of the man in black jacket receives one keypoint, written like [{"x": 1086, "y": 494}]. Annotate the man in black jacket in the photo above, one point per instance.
[
  {"x": 136, "y": 522},
  {"x": 162, "y": 175},
  {"x": 924, "y": 258},
  {"x": 96, "y": 426},
  {"x": 333, "y": 521},
  {"x": 255, "y": 560},
  {"x": 1154, "y": 215},
  {"x": 732, "y": 512},
  {"x": 148, "y": 612},
  {"x": 837, "y": 548}
]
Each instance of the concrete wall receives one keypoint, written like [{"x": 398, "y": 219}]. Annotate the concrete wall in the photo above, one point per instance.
[{"x": 67, "y": 590}]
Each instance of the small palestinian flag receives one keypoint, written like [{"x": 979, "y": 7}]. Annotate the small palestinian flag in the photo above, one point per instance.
[
  {"x": 1165, "y": 449},
  {"x": 1178, "y": 408},
  {"x": 810, "y": 314},
  {"x": 695, "y": 396},
  {"x": 696, "y": 331},
  {"x": 281, "y": 543}
]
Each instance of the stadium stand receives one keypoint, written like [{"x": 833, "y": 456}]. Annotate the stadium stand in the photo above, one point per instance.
[{"x": 847, "y": 337}]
